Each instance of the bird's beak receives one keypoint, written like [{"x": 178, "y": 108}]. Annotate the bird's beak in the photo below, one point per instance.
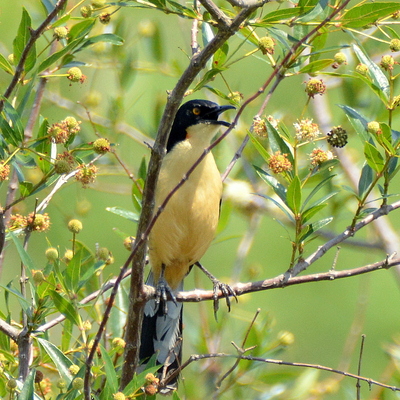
[{"x": 216, "y": 112}]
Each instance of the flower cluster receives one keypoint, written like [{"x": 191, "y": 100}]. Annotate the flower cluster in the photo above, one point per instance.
[
  {"x": 319, "y": 156},
  {"x": 60, "y": 132},
  {"x": 259, "y": 127},
  {"x": 4, "y": 171},
  {"x": 151, "y": 385},
  {"x": 38, "y": 222},
  {"x": 306, "y": 130},
  {"x": 315, "y": 86},
  {"x": 279, "y": 163},
  {"x": 76, "y": 75},
  {"x": 101, "y": 146},
  {"x": 34, "y": 222},
  {"x": 86, "y": 174},
  {"x": 64, "y": 163},
  {"x": 267, "y": 45}
]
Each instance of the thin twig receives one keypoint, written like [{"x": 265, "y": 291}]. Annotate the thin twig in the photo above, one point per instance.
[
  {"x": 384, "y": 210},
  {"x": 290, "y": 364},
  {"x": 358, "y": 386},
  {"x": 241, "y": 351}
]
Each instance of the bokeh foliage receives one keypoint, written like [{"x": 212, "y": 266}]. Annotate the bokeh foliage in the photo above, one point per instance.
[{"x": 110, "y": 71}]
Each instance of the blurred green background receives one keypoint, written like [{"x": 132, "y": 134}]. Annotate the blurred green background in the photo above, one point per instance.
[{"x": 320, "y": 315}]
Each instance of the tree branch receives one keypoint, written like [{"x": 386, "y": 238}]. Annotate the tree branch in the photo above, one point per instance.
[
  {"x": 135, "y": 316},
  {"x": 302, "y": 265},
  {"x": 370, "y": 381}
]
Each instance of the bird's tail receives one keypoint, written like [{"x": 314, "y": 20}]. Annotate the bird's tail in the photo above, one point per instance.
[{"x": 162, "y": 335}]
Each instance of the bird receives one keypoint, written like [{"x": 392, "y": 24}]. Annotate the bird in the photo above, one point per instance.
[{"x": 183, "y": 231}]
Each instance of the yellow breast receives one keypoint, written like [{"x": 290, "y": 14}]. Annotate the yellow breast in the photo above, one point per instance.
[{"x": 187, "y": 225}]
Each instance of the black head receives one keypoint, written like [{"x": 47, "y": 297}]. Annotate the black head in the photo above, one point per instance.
[{"x": 191, "y": 113}]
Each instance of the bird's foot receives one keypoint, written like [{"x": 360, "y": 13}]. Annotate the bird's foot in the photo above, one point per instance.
[
  {"x": 162, "y": 292},
  {"x": 219, "y": 286}
]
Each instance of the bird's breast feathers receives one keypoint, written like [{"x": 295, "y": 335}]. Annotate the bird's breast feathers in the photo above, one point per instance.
[{"x": 187, "y": 225}]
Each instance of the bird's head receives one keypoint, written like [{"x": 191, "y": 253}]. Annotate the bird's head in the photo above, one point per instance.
[{"x": 196, "y": 117}]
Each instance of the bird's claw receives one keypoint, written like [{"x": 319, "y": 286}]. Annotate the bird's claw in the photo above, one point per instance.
[
  {"x": 226, "y": 291},
  {"x": 162, "y": 292}
]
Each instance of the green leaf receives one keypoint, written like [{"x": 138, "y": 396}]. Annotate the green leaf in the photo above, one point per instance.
[
  {"x": 66, "y": 335},
  {"x": 358, "y": 121},
  {"x": 109, "y": 369},
  {"x": 366, "y": 14},
  {"x": 182, "y": 10},
  {"x": 318, "y": 45},
  {"x": 277, "y": 143},
  {"x": 259, "y": 147},
  {"x": 56, "y": 56},
  {"x": 25, "y": 188},
  {"x": 28, "y": 390},
  {"x": 310, "y": 212},
  {"x": 314, "y": 227},
  {"x": 130, "y": 215},
  {"x": 105, "y": 37},
  {"x": 278, "y": 188},
  {"x": 61, "y": 362},
  {"x": 366, "y": 178},
  {"x": 280, "y": 16},
  {"x": 5, "y": 65},
  {"x": 22, "y": 301},
  {"x": 21, "y": 41},
  {"x": 385, "y": 139},
  {"x": 43, "y": 146},
  {"x": 61, "y": 21},
  {"x": 374, "y": 159},
  {"x": 23, "y": 254},
  {"x": 65, "y": 307},
  {"x": 81, "y": 29},
  {"x": 279, "y": 205},
  {"x": 317, "y": 12},
  {"x": 220, "y": 56},
  {"x": 317, "y": 189},
  {"x": 379, "y": 79},
  {"x": 11, "y": 125},
  {"x": 315, "y": 66},
  {"x": 293, "y": 195},
  {"x": 73, "y": 271},
  {"x": 208, "y": 76}
]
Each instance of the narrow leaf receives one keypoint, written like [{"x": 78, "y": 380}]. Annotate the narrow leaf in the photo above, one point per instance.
[
  {"x": 374, "y": 159},
  {"x": 316, "y": 226},
  {"x": 277, "y": 143},
  {"x": 134, "y": 217},
  {"x": 367, "y": 175},
  {"x": 278, "y": 188},
  {"x": 377, "y": 75},
  {"x": 28, "y": 390},
  {"x": 105, "y": 38},
  {"x": 109, "y": 370},
  {"x": 316, "y": 66},
  {"x": 259, "y": 147},
  {"x": 369, "y": 13},
  {"x": 279, "y": 205},
  {"x": 65, "y": 307},
  {"x": 310, "y": 212},
  {"x": 60, "y": 360},
  {"x": 23, "y": 254},
  {"x": 22, "y": 301},
  {"x": 293, "y": 195},
  {"x": 317, "y": 189}
]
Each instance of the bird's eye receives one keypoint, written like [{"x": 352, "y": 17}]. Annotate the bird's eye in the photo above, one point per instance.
[{"x": 196, "y": 111}]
